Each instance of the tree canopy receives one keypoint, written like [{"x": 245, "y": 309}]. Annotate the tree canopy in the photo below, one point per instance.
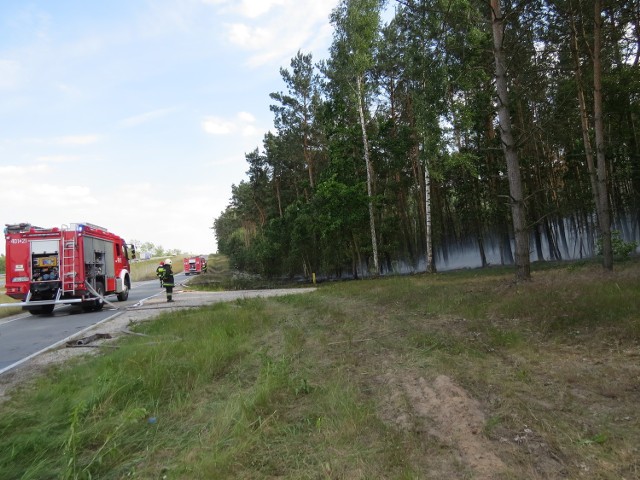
[{"x": 394, "y": 148}]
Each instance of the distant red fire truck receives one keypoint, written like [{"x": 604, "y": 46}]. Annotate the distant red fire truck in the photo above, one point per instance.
[
  {"x": 78, "y": 264},
  {"x": 195, "y": 265}
]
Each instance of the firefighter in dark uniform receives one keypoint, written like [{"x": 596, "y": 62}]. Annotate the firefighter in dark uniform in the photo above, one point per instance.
[
  {"x": 167, "y": 279},
  {"x": 160, "y": 272}
]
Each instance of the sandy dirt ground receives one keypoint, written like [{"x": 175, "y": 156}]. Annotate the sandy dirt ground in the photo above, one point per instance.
[{"x": 118, "y": 325}]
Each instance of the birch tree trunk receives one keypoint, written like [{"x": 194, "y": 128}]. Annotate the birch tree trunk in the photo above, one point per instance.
[
  {"x": 431, "y": 267},
  {"x": 521, "y": 233},
  {"x": 365, "y": 141}
]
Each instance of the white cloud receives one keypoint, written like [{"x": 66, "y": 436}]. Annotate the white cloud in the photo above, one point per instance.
[
  {"x": 63, "y": 195},
  {"x": 10, "y": 173},
  {"x": 143, "y": 187},
  {"x": 246, "y": 117},
  {"x": 248, "y": 37},
  {"x": 46, "y": 197},
  {"x": 256, "y": 8},
  {"x": 158, "y": 219},
  {"x": 242, "y": 123},
  {"x": 276, "y": 30},
  {"x": 218, "y": 126}
]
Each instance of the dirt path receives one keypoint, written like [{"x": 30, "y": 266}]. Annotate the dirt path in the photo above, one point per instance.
[
  {"x": 457, "y": 420},
  {"x": 446, "y": 417}
]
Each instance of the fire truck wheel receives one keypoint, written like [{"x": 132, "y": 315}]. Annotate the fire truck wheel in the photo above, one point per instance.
[
  {"x": 122, "y": 296},
  {"x": 99, "y": 302},
  {"x": 42, "y": 310},
  {"x": 96, "y": 304},
  {"x": 47, "y": 309}
]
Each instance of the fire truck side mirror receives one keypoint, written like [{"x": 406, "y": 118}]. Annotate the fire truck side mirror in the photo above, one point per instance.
[{"x": 133, "y": 251}]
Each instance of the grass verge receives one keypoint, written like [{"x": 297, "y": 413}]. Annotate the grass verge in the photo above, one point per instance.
[{"x": 455, "y": 375}]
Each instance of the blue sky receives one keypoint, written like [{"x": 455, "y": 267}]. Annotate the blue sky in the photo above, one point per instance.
[{"x": 136, "y": 114}]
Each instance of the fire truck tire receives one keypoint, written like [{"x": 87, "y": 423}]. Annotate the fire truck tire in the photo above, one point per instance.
[
  {"x": 47, "y": 309},
  {"x": 43, "y": 310},
  {"x": 122, "y": 296},
  {"x": 96, "y": 304},
  {"x": 99, "y": 301}
]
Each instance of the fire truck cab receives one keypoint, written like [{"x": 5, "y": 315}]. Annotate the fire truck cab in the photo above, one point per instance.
[
  {"x": 195, "y": 265},
  {"x": 79, "y": 264}
]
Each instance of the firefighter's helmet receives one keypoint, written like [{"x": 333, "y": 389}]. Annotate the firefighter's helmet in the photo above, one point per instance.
[{"x": 167, "y": 261}]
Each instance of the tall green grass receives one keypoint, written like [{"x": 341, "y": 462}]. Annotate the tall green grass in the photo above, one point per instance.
[
  {"x": 197, "y": 398},
  {"x": 302, "y": 386}
]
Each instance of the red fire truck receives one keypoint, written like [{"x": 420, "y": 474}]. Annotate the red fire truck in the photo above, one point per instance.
[
  {"x": 195, "y": 265},
  {"x": 76, "y": 264}
]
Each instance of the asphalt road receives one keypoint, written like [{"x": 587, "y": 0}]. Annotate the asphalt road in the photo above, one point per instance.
[{"x": 24, "y": 336}]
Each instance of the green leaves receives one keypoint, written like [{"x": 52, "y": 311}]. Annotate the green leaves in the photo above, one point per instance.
[{"x": 425, "y": 83}]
